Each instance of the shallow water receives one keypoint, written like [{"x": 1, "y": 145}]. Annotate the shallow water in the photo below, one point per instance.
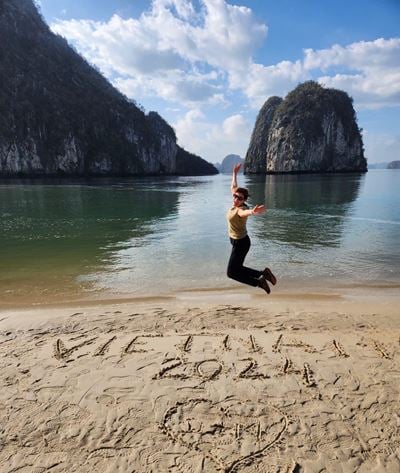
[{"x": 128, "y": 237}]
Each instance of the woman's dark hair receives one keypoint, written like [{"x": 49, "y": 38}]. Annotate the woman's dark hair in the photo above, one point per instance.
[{"x": 243, "y": 191}]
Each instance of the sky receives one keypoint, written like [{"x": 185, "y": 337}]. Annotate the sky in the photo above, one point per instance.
[{"x": 207, "y": 66}]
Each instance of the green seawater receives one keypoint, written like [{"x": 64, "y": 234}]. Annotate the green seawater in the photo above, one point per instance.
[{"x": 69, "y": 239}]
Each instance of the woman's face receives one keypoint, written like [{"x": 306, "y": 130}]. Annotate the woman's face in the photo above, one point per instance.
[{"x": 238, "y": 199}]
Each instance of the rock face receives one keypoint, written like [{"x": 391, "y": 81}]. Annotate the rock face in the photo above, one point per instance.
[
  {"x": 313, "y": 129},
  {"x": 60, "y": 116},
  {"x": 256, "y": 156},
  {"x": 228, "y": 162}
]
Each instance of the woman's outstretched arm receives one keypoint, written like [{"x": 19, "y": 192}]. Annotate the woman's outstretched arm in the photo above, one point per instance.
[{"x": 257, "y": 210}]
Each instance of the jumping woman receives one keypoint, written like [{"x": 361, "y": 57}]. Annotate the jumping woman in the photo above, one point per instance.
[{"x": 237, "y": 218}]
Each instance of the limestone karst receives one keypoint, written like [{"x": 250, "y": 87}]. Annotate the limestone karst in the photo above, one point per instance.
[{"x": 314, "y": 129}]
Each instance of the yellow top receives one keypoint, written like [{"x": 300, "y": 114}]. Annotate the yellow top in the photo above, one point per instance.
[{"x": 236, "y": 225}]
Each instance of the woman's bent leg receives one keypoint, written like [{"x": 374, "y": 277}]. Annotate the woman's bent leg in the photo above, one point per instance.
[{"x": 236, "y": 270}]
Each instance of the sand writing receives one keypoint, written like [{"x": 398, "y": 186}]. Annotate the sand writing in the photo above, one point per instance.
[{"x": 165, "y": 392}]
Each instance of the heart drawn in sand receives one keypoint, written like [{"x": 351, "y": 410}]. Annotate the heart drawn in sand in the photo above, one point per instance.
[{"x": 230, "y": 433}]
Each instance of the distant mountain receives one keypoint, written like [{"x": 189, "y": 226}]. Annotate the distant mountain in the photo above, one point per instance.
[
  {"x": 378, "y": 165},
  {"x": 228, "y": 162},
  {"x": 314, "y": 129},
  {"x": 60, "y": 116},
  {"x": 394, "y": 165}
]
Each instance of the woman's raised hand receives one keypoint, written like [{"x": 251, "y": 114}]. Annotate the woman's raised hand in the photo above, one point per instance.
[{"x": 236, "y": 168}]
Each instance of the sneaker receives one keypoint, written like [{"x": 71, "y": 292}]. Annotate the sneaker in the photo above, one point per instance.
[
  {"x": 267, "y": 274},
  {"x": 262, "y": 282}
]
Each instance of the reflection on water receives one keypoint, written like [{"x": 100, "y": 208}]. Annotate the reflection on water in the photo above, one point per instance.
[
  {"x": 160, "y": 235},
  {"x": 52, "y": 234},
  {"x": 185, "y": 250},
  {"x": 304, "y": 210},
  {"x": 342, "y": 228}
]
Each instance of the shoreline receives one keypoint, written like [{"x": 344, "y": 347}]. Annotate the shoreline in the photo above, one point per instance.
[
  {"x": 354, "y": 301},
  {"x": 308, "y": 290}
]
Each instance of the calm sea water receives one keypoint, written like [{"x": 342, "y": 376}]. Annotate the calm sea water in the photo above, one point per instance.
[{"x": 130, "y": 237}]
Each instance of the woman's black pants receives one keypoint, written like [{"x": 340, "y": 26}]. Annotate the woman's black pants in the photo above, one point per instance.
[{"x": 236, "y": 270}]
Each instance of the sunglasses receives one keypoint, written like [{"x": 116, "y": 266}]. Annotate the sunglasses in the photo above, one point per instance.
[{"x": 238, "y": 197}]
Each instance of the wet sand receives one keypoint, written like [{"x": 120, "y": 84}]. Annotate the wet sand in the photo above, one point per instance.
[{"x": 204, "y": 381}]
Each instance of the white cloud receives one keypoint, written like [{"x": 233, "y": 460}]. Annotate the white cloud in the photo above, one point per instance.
[
  {"x": 261, "y": 82},
  {"x": 364, "y": 55},
  {"x": 183, "y": 8},
  {"x": 174, "y": 86},
  {"x": 213, "y": 140},
  {"x": 369, "y": 92},
  {"x": 170, "y": 40},
  {"x": 371, "y": 70},
  {"x": 233, "y": 126},
  {"x": 229, "y": 36},
  {"x": 119, "y": 46},
  {"x": 171, "y": 49}
]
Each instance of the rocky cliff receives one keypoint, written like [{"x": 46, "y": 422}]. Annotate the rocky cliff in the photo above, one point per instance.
[
  {"x": 314, "y": 129},
  {"x": 256, "y": 156},
  {"x": 59, "y": 115}
]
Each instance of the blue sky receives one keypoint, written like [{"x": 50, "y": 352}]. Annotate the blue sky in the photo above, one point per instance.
[{"x": 207, "y": 66}]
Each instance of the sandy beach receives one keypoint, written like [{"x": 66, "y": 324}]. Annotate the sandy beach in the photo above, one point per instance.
[{"x": 204, "y": 382}]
